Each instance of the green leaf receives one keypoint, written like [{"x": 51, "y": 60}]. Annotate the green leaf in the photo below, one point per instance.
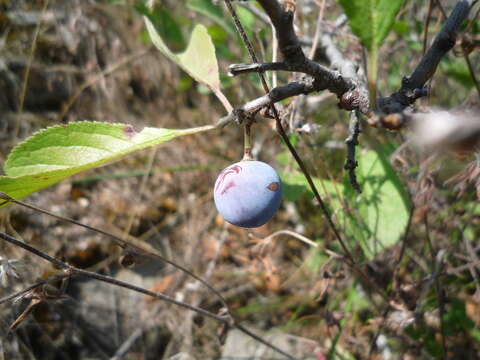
[
  {"x": 58, "y": 152},
  {"x": 198, "y": 60},
  {"x": 373, "y": 220},
  {"x": 401, "y": 27},
  {"x": 371, "y": 20},
  {"x": 378, "y": 217},
  {"x": 165, "y": 24},
  {"x": 295, "y": 186},
  {"x": 457, "y": 69},
  {"x": 215, "y": 13}
]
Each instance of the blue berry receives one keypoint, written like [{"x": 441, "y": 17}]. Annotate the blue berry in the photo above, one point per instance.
[{"x": 248, "y": 193}]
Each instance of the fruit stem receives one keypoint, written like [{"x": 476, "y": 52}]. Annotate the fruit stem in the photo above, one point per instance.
[{"x": 247, "y": 142}]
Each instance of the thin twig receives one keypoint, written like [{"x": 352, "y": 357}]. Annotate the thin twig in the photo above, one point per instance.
[
  {"x": 426, "y": 26},
  {"x": 373, "y": 342},
  {"x": 228, "y": 320},
  {"x": 20, "y": 293},
  {"x": 352, "y": 141},
  {"x": 472, "y": 73},
  {"x": 73, "y": 271},
  {"x": 26, "y": 76},
  {"x": 130, "y": 249},
  {"x": 436, "y": 267},
  {"x": 98, "y": 76},
  {"x": 142, "y": 188},
  {"x": 318, "y": 29},
  {"x": 300, "y": 237}
]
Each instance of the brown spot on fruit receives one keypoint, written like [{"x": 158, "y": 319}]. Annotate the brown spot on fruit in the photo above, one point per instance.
[{"x": 274, "y": 186}]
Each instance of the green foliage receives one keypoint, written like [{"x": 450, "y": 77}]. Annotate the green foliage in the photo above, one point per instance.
[
  {"x": 198, "y": 60},
  {"x": 166, "y": 26},
  {"x": 457, "y": 69},
  {"x": 456, "y": 319},
  {"x": 456, "y": 322},
  {"x": 371, "y": 20},
  {"x": 59, "y": 152},
  {"x": 213, "y": 12},
  {"x": 401, "y": 27},
  {"x": 376, "y": 218}
]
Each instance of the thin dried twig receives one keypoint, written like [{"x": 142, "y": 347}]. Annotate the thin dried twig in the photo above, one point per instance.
[
  {"x": 437, "y": 262},
  {"x": 71, "y": 271},
  {"x": 133, "y": 252},
  {"x": 352, "y": 141},
  {"x": 98, "y": 76},
  {"x": 31, "y": 56}
]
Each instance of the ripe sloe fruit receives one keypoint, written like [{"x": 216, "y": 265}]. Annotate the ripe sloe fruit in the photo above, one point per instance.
[{"x": 248, "y": 193}]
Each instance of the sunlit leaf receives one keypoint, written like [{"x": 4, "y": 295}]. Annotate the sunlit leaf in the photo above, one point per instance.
[
  {"x": 59, "y": 152},
  {"x": 198, "y": 60}
]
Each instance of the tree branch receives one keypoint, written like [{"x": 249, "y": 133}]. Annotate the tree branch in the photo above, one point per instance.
[
  {"x": 71, "y": 271},
  {"x": 413, "y": 87},
  {"x": 294, "y": 60},
  {"x": 352, "y": 141},
  {"x": 345, "y": 82},
  {"x": 282, "y": 20}
]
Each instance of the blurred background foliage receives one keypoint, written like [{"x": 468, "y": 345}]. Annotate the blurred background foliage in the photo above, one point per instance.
[{"x": 413, "y": 232}]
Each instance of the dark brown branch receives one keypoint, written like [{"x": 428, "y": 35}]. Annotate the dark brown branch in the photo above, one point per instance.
[
  {"x": 354, "y": 99},
  {"x": 344, "y": 82},
  {"x": 352, "y": 141},
  {"x": 280, "y": 93},
  {"x": 282, "y": 20},
  {"x": 324, "y": 77},
  {"x": 294, "y": 59},
  {"x": 413, "y": 87}
]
